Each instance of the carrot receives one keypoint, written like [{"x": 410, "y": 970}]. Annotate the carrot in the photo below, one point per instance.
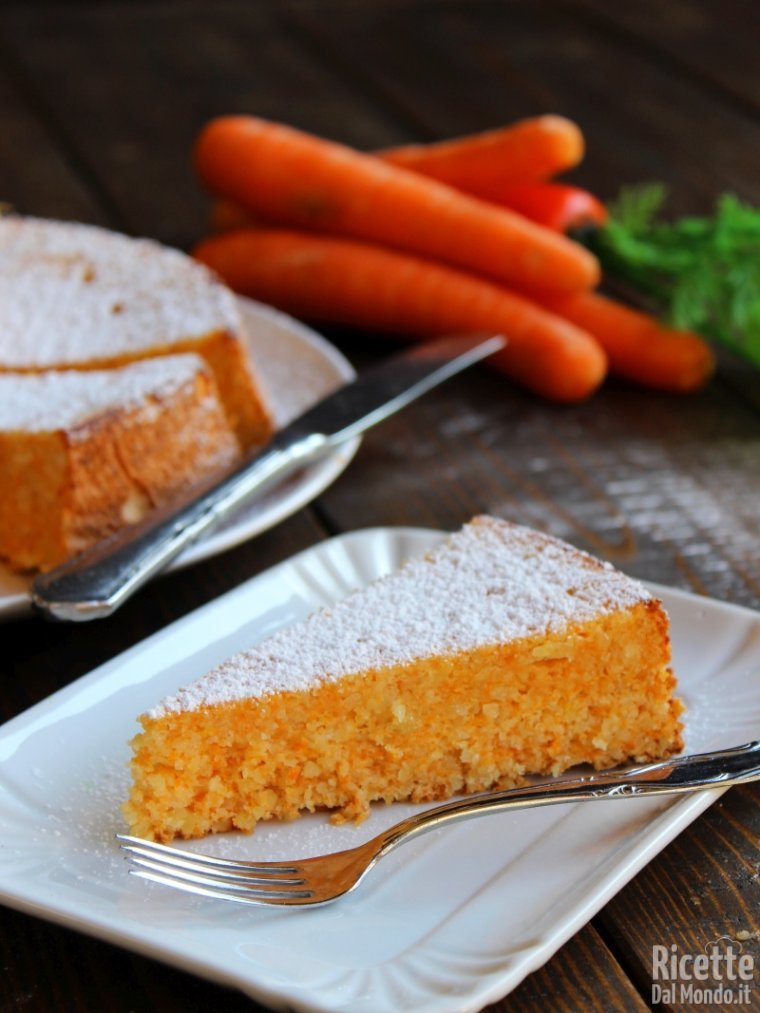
[
  {"x": 481, "y": 164},
  {"x": 557, "y": 206},
  {"x": 306, "y": 182},
  {"x": 638, "y": 346},
  {"x": 228, "y": 214},
  {"x": 343, "y": 281}
]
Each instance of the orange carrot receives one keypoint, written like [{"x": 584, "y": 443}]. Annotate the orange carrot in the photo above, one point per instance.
[
  {"x": 639, "y": 347},
  {"x": 481, "y": 164},
  {"x": 228, "y": 214},
  {"x": 342, "y": 281},
  {"x": 306, "y": 182},
  {"x": 557, "y": 206}
]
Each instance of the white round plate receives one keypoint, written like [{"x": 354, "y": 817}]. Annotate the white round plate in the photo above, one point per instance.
[{"x": 297, "y": 367}]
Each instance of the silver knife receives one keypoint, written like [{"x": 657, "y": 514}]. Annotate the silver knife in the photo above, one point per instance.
[{"x": 96, "y": 582}]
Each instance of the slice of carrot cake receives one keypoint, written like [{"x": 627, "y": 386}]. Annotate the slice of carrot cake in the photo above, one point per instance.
[
  {"x": 80, "y": 297},
  {"x": 502, "y": 652},
  {"x": 84, "y": 453}
]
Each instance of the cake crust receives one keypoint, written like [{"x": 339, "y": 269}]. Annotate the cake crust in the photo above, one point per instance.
[{"x": 86, "y": 454}]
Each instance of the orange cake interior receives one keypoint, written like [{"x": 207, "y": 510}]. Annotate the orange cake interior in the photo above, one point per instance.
[
  {"x": 80, "y": 297},
  {"x": 501, "y": 653},
  {"x": 82, "y": 454}
]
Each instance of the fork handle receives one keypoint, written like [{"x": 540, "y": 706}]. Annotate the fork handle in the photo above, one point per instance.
[{"x": 720, "y": 769}]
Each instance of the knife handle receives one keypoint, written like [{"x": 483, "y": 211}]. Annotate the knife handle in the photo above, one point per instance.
[{"x": 93, "y": 584}]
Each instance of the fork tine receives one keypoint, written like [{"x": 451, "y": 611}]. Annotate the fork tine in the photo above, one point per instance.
[
  {"x": 222, "y": 879},
  {"x": 177, "y": 856},
  {"x": 232, "y": 873},
  {"x": 185, "y": 870},
  {"x": 308, "y": 881},
  {"x": 237, "y": 884},
  {"x": 245, "y": 896}
]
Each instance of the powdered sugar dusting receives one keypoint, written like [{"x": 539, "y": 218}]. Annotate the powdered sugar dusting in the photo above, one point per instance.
[
  {"x": 72, "y": 293},
  {"x": 491, "y": 583},
  {"x": 67, "y": 399}
]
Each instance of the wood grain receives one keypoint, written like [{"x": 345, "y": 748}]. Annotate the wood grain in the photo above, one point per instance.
[
  {"x": 713, "y": 42},
  {"x": 153, "y": 75},
  {"x": 100, "y": 103},
  {"x": 35, "y": 176},
  {"x": 670, "y": 903},
  {"x": 591, "y": 979},
  {"x": 464, "y": 67},
  {"x": 582, "y": 976},
  {"x": 666, "y": 496}
]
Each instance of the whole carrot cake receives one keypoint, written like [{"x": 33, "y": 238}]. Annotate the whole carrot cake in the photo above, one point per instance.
[
  {"x": 125, "y": 380},
  {"x": 502, "y": 652},
  {"x": 80, "y": 297}
]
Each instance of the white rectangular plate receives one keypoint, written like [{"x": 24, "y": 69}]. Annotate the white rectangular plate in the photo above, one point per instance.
[{"x": 449, "y": 922}]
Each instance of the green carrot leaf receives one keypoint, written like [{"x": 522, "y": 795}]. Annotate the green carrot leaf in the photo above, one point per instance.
[{"x": 702, "y": 272}]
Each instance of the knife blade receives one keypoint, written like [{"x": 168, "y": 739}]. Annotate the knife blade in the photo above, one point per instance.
[{"x": 100, "y": 579}]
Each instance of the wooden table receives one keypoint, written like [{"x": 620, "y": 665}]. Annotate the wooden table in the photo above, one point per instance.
[{"x": 99, "y": 105}]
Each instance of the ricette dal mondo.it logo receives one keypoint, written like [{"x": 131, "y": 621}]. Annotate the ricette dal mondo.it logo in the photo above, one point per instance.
[{"x": 722, "y": 975}]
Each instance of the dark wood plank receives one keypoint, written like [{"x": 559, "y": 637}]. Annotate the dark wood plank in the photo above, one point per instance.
[
  {"x": 35, "y": 176},
  {"x": 666, "y": 904},
  {"x": 714, "y": 42},
  {"x": 116, "y": 981},
  {"x": 583, "y": 976},
  {"x": 464, "y": 67},
  {"x": 152, "y": 75},
  {"x": 664, "y": 489}
]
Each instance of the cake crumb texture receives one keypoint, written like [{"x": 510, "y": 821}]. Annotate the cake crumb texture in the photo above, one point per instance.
[{"x": 86, "y": 454}]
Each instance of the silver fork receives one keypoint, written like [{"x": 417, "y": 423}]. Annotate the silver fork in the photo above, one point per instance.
[{"x": 312, "y": 881}]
